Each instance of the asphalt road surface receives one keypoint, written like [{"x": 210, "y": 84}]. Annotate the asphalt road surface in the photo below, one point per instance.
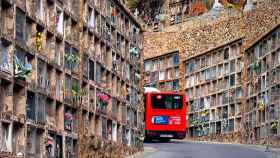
[{"x": 184, "y": 149}]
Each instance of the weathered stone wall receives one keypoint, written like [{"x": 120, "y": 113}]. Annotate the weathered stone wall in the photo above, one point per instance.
[
  {"x": 235, "y": 137},
  {"x": 97, "y": 147},
  {"x": 49, "y": 104},
  {"x": 200, "y": 35}
]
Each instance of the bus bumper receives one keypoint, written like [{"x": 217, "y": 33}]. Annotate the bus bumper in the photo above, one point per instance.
[{"x": 165, "y": 134}]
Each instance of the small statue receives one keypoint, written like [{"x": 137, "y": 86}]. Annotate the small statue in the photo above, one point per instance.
[
  {"x": 136, "y": 12},
  {"x": 249, "y": 5}
]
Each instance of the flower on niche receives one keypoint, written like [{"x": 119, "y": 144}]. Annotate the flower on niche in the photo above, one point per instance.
[
  {"x": 274, "y": 125},
  {"x": 103, "y": 97},
  {"x": 39, "y": 41}
]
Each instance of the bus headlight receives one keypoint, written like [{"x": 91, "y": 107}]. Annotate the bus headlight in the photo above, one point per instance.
[{"x": 153, "y": 120}]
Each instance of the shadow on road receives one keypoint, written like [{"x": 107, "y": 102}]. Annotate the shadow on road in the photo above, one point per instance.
[{"x": 167, "y": 141}]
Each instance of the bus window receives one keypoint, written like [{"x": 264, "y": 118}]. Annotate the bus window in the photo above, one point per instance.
[{"x": 166, "y": 101}]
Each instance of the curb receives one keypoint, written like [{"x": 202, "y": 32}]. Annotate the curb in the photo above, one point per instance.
[
  {"x": 258, "y": 147},
  {"x": 139, "y": 154},
  {"x": 147, "y": 151}
]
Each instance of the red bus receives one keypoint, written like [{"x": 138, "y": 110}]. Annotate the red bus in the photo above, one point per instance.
[{"x": 165, "y": 115}]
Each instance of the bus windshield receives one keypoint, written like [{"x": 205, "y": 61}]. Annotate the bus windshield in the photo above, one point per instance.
[{"x": 166, "y": 101}]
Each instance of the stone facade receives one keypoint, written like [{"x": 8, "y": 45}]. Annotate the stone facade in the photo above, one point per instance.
[
  {"x": 69, "y": 79},
  {"x": 212, "y": 52},
  {"x": 162, "y": 72},
  {"x": 263, "y": 88}
]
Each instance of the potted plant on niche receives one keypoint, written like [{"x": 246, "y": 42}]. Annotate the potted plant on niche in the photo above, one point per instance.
[
  {"x": 274, "y": 126},
  {"x": 77, "y": 93},
  {"x": 72, "y": 59},
  {"x": 22, "y": 70}
]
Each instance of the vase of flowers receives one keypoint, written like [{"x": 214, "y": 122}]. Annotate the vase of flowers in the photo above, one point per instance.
[{"x": 103, "y": 99}]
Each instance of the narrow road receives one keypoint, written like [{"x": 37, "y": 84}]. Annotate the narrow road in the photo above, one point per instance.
[{"x": 183, "y": 149}]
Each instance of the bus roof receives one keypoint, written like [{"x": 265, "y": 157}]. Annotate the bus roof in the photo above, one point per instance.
[
  {"x": 165, "y": 92},
  {"x": 151, "y": 89}
]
